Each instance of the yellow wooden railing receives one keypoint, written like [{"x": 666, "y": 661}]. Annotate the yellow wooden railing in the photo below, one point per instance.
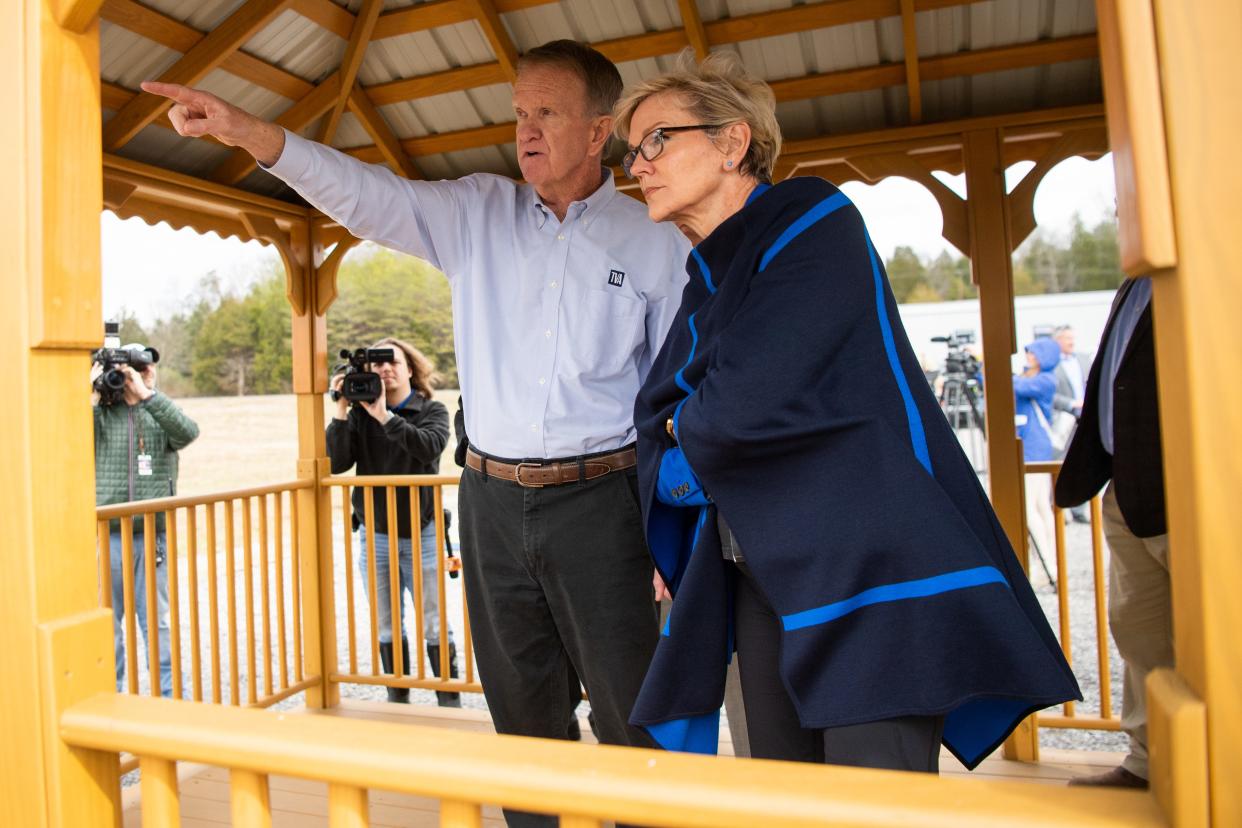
[
  {"x": 583, "y": 784},
  {"x": 270, "y": 629},
  {"x": 1070, "y": 716},
  {"x": 402, "y": 675}
]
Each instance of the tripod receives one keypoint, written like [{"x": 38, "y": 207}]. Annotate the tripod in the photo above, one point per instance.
[{"x": 963, "y": 408}]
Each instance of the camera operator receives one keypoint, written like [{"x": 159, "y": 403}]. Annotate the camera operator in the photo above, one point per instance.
[
  {"x": 138, "y": 433},
  {"x": 402, "y": 431}
]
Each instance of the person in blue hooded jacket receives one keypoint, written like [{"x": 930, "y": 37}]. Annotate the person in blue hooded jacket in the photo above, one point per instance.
[
  {"x": 1033, "y": 391},
  {"x": 806, "y": 503}
]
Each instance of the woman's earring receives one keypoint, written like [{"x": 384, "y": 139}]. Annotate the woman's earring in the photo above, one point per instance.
[{"x": 729, "y": 164}]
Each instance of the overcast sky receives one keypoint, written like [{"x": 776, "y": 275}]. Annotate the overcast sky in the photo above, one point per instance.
[{"x": 155, "y": 271}]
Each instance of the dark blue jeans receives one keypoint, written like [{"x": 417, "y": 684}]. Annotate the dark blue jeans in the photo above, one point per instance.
[{"x": 140, "y": 605}]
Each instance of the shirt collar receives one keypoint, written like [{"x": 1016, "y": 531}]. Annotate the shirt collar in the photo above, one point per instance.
[{"x": 592, "y": 204}]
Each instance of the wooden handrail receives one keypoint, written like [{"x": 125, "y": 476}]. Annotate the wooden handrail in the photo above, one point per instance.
[
  {"x": 595, "y": 782},
  {"x": 374, "y": 480},
  {"x": 163, "y": 504}
]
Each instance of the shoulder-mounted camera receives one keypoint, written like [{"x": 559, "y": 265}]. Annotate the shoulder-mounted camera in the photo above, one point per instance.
[{"x": 110, "y": 384}]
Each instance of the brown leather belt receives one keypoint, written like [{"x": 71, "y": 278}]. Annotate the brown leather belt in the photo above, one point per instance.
[{"x": 553, "y": 472}]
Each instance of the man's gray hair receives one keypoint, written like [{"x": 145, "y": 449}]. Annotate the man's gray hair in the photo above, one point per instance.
[{"x": 598, "y": 73}]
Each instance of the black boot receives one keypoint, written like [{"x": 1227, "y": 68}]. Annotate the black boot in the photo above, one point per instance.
[
  {"x": 400, "y": 695},
  {"x": 443, "y": 698}
]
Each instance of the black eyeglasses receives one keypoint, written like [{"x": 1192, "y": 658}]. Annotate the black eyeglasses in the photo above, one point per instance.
[{"x": 653, "y": 144}]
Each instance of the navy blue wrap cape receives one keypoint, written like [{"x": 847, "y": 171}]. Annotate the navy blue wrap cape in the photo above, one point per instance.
[{"x": 799, "y": 404}]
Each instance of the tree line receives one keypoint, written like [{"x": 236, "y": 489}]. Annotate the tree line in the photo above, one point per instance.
[{"x": 239, "y": 342}]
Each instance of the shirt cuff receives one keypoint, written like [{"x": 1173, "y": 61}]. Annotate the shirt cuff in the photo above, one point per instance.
[{"x": 294, "y": 159}]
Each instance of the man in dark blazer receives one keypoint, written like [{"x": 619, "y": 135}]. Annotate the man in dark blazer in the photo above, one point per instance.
[{"x": 1118, "y": 443}]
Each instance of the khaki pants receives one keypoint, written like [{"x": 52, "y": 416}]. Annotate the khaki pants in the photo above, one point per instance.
[{"x": 1140, "y": 616}]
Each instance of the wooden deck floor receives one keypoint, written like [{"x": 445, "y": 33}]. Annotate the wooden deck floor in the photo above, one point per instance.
[{"x": 299, "y": 802}]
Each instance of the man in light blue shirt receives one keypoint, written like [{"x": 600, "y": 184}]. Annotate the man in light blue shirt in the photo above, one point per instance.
[{"x": 562, "y": 290}]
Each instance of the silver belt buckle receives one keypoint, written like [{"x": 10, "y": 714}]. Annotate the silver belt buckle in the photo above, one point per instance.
[{"x": 517, "y": 475}]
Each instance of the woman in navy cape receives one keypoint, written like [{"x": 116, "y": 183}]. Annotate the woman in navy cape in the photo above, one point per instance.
[{"x": 805, "y": 501}]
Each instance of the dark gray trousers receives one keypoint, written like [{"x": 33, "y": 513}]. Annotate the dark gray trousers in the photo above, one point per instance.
[
  {"x": 558, "y": 583},
  {"x": 907, "y": 743}
]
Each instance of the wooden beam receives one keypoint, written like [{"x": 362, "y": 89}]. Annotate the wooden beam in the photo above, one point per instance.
[
  {"x": 1002, "y": 58},
  {"x": 77, "y": 15},
  {"x": 297, "y": 117},
  {"x": 692, "y": 23},
  {"x": 179, "y": 37},
  {"x": 193, "y": 66},
  {"x": 436, "y": 83},
  {"x": 385, "y": 141},
  {"x": 637, "y": 47},
  {"x": 462, "y": 139},
  {"x": 423, "y": 16},
  {"x": 326, "y": 14},
  {"x": 910, "y": 48},
  {"x": 355, "y": 51},
  {"x": 497, "y": 36}
]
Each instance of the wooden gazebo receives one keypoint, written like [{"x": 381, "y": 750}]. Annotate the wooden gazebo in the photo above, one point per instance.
[{"x": 867, "y": 89}]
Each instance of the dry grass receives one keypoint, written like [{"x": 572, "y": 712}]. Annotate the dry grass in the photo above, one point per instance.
[{"x": 251, "y": 441}]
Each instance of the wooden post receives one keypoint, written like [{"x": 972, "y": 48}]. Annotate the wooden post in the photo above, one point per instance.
[
  {"x": 57, "y": 643},
  {"x": 314, "y": 510},
  {"x": 1196, "y": 305},
  {"x": 992, "y": 268}
]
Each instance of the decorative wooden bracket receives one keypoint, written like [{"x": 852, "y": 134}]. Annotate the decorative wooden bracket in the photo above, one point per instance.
[
  {"x": 293, "y": 248},
  {"x": 955, "y": 224},
  {"x": 326, "y": 271},
  {"x": 1090, "y": 142}
]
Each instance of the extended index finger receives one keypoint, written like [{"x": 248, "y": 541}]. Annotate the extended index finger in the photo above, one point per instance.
[{"x": 175, "y": 91}]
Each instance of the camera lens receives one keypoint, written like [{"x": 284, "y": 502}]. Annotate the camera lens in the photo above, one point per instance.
[{"x": 114, "y": 379}]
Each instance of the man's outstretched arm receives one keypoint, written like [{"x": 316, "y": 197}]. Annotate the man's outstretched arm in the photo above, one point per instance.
[{"x": 196, "y": 113}]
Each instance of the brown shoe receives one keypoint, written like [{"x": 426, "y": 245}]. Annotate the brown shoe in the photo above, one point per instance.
[{"x": 1118, "y": 777}]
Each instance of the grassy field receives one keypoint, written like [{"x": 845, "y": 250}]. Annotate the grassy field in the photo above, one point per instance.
[{"x": 250, "y": 441}]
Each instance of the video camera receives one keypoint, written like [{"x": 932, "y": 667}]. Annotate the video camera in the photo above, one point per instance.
[
  {"x": 959, "y": 361},
  {"x": 361, "y": 384},
  {"x": 110, "y": 384}
]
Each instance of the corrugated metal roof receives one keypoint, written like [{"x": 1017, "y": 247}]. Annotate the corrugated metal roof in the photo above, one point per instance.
[{"x": 300, "y": 47}]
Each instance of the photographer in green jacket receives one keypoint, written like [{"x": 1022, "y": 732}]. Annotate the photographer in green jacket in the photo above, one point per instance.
[{"x": 138, "y": 432}]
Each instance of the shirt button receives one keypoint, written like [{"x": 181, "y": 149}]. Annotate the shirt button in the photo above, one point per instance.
[
  {"x": 560, "y": 237},
  {"x": 534, "y": 427},
  {"x": 543, "y": 380},
  {"x": 552, "y": 284},
  {"x": 548, "y": 333}
]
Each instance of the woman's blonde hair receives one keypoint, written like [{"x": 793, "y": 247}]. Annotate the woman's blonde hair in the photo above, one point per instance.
[
  {"x": 716, "y": 91},
  {"x": 422, "y": 370}
]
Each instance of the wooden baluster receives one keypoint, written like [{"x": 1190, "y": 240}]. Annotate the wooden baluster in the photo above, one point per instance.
[
  {"x": 104, "y": 560},
  {"x": 264, "y": 603},
  {"x": 1063, "y": 602},
  {"x": 416, "y": 551},
  {"x": 230, "y": 582},
  {"x": 1101, "y": 609},
  {"x": 213, "y": 603},
  {"x": 394, "y": 578},
  {"x": 352, "y": 634},
  {"x": 160, "y": 805},
  {"x": 252, "y": 677},
  {"x": 347, "y": 807},
  {"x": 131, "y": 624},
  {"x": 460, "y": 814},
  {"x": 249, "y": 800},
  {"x": 151, "y": 595},
  {"x": 191, "y": 560},
  {"x": 295, "y": 565},
  {"x": 368, "y": 511},
  {"x": 174, "y": 603},
  {"x": 278, "y": 540}
]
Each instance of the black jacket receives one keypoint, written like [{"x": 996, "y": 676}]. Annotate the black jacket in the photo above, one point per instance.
[
  {"x": 409, "y": 443},
  {"x": 1135, "y": 466}
]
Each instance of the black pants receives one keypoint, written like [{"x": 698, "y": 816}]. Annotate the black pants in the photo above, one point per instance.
[
  {"x": 907, "y": 743},
  {"x": 558, "y": 584}
]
